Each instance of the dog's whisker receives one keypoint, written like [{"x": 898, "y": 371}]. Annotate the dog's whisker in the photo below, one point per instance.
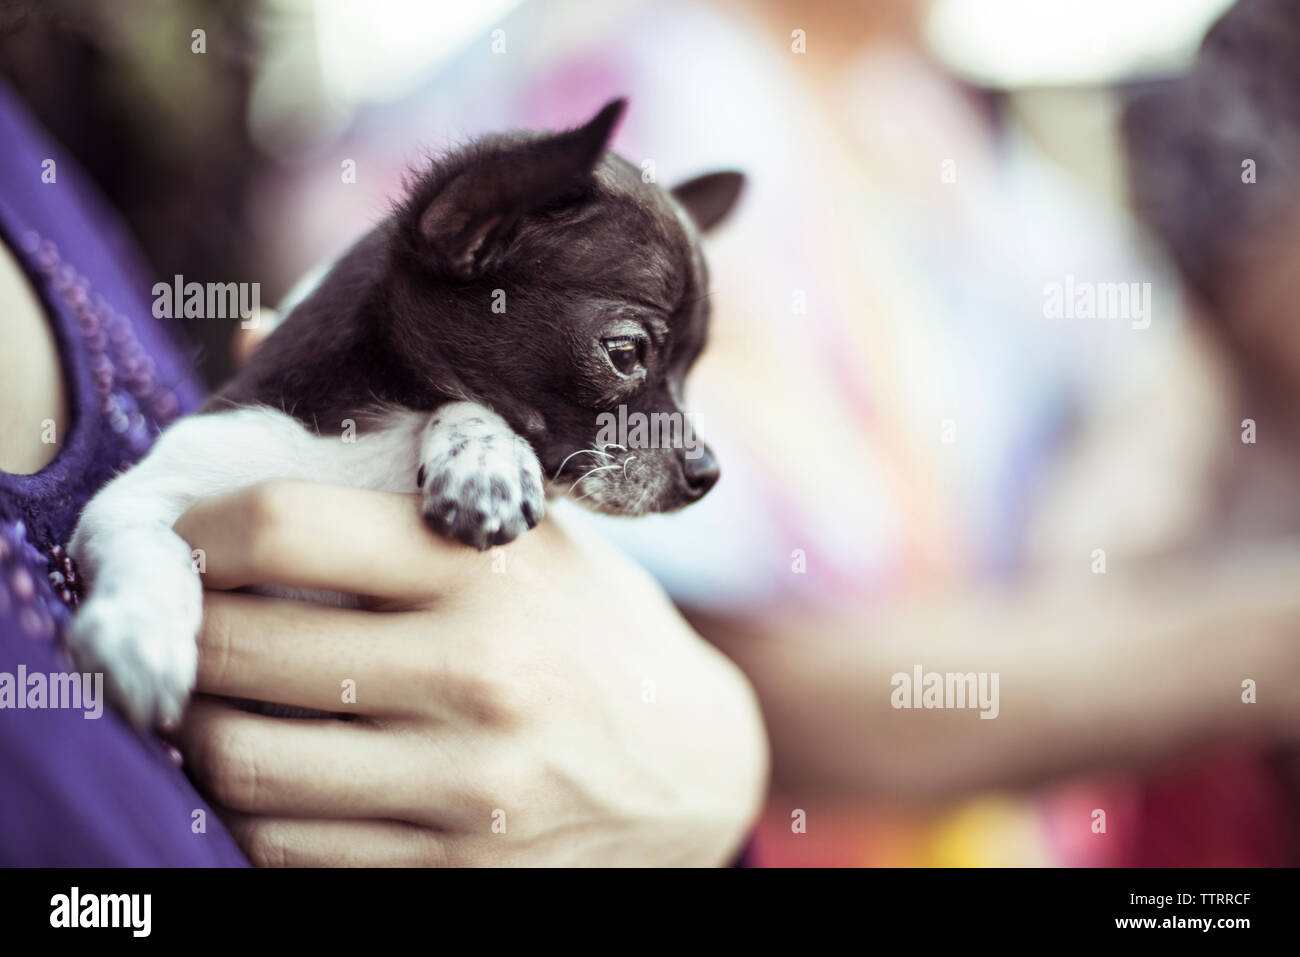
[
  {"x": 588, "y": 474},
  {"x": 579, "y": 452}
]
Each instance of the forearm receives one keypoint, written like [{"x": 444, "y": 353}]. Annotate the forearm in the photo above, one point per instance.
[{"x": 1115, "y": 673}]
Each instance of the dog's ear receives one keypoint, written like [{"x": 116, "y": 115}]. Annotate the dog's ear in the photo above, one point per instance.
[
  {"x": 469, "y": 214},
  {"x": 709, "y": 198}
]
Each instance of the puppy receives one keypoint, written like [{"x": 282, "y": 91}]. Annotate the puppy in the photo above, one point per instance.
[{"x": 530, "y": 287}]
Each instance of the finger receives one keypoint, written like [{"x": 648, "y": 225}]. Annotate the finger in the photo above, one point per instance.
[
  {"x": 326, "y": 768},
  {"x": 312, "y": 656},
  {"x": 377, "y": 664},
  {"x": 311, "y": 535},
  {"x": 291, "y": 842},
  {"x": 295, "y": 767}
]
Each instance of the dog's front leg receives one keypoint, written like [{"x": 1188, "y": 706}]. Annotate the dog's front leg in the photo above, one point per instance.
[
  {"x": 481, "y": 482},
  {"x": 139, "y": 623}
]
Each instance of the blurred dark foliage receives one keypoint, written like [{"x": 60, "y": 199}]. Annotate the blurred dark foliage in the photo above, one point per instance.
[{"x": 160, "y": 129}]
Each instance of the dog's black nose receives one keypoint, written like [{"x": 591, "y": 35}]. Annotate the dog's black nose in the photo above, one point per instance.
[{"x": 701, "y": 470}]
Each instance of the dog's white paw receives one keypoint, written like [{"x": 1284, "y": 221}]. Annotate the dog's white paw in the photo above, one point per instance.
[
  {"x": 482, "y": 483},
  {"x": 140, "y": 632}
]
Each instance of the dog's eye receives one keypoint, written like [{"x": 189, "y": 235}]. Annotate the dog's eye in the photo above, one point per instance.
[{"x": 625, "y": 352}]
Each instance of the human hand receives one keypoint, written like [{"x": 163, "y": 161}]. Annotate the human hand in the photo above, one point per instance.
[{"x": 537, "y": 704}]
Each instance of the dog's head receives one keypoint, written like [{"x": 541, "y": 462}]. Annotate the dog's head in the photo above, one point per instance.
[{"x": 558, "y": 284}]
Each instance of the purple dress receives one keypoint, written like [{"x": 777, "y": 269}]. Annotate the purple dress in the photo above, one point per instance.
[{"x": 73, "y": 790}]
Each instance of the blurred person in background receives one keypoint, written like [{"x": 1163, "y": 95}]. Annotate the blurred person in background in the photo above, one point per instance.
[{"x": 904, "y": 436}]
